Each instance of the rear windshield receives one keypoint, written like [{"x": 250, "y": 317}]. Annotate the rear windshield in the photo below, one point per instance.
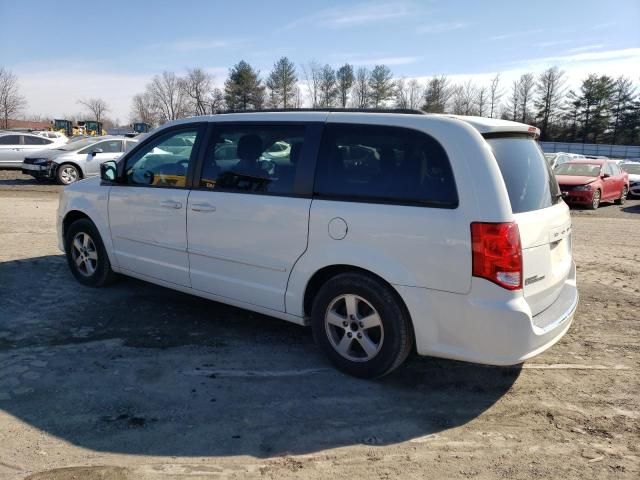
[{"x": 530, "y": 183}]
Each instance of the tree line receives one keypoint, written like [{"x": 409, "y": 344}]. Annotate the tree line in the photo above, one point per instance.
[{"x": 602, "y": 109}]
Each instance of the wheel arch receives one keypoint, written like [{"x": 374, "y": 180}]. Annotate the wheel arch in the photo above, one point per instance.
[
  {"x": 70, "y": 217},
  {"x": 323, "y": 275}
]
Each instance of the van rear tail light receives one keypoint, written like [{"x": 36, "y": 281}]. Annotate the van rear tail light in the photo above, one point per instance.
[{"x": 497, "y": 253}]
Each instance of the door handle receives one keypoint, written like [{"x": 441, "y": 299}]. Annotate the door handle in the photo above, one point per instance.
[
  {"x": 203, "y": 207},
  {"x": 171, "y": 204}
]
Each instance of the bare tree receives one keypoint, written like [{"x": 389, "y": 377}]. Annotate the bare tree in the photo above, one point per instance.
[
  {"x": 11, "y": 102},
  {"x": 481, "y": 100},
  {"x": 97, "y": 106},
  {"x": 361, "y": 90},
  {"x": 345, "y": 79},
  {"x": 513, "y": 103},
  {"x": 216, "y": 100},
  {"x": 437, "y": 94},
  {"x": 408, "y": 94},
  {"x": 494, "y": 95},
  {"x": 197, "y": 86},
  {"x": 311, "y": 73},
  {"x": 328, "y": 86},
  {"x": 549, "y": 88},
  {"x": 168, "y": 96},
  {"x": 527, "y": 84},
  {"x": 143, "y": 109},
  {"x": 401, "y": 93},
  {"x": 464, "y": 98}
]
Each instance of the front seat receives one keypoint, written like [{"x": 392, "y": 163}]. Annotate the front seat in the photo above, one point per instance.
[{"x": 249, "y": 150}]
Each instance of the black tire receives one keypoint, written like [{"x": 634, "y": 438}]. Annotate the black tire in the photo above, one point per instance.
[
  {"x": 394, "y": 338},
  {"x": 595, "y": 203},
  {"x": 67, "y": 174},
  {"x": 623, "y": 196},
  {"x": 92, "y": 272}
]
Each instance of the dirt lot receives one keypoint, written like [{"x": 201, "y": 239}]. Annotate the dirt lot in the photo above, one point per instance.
[{"x": 139, "y": 382}]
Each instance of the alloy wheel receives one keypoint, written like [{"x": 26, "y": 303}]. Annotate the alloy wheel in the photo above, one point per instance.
[
  {"x": 354, "y": 328},
  {"x": 84, "y": 254},
  {"x": 68, "y": 175}
]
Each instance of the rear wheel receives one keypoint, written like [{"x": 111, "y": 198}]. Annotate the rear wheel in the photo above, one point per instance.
[
  {"x": 623, "y": 196},
  {"x": 67, "y": 173},
  {"x": 86, "y": 255},
  {"x": 361, "y": 325},
  {"x": 595, "y": 201}
]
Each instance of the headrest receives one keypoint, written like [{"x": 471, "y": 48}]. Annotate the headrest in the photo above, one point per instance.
[
  {"x": 249, "y": 147},
  {"x": 294, "y": 153}
]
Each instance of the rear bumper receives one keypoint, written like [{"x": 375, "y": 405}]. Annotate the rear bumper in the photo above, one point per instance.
[{"x": 489, "y": 325}]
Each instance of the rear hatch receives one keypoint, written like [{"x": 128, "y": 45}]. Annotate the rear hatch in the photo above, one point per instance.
[{"x": 543, "y": 218}]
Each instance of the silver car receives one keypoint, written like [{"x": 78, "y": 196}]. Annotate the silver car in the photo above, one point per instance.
[
  {"x": 76, "y": 160},
  {"x": 15, "y": 146}
]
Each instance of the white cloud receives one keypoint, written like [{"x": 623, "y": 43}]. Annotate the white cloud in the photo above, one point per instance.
[
  {"x": 552, "y": 43},
  {"x": 576, "y": 67},
  {"x": 630, "y": 54},
  {"x": 585, "y": 48},
  {"x": 190, "y": 45},
  {"x": 442, "y": 27},
  {"x": 355, "y": 15},
  {"x": 385, "y": 61},
  {"x": 507, "y": 36}
]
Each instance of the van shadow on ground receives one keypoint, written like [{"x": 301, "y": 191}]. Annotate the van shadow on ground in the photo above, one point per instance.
[{"x": 140, "y": 369}]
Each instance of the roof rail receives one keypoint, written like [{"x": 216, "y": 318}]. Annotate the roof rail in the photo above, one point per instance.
[{"x": 347, "y": 110}]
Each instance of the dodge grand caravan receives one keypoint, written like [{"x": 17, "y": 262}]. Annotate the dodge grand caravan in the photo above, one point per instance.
[{"x": 382, "y": 231}]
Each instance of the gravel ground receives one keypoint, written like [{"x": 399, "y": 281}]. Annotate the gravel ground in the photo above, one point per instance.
[{"x": 139, "y": 382}]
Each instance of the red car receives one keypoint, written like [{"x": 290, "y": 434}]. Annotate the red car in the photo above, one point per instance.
[{"x": 589, "y": 182}]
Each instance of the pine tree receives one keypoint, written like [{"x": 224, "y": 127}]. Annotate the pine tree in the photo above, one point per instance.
[
  {"x": 380, "y": 85},
  {"x": 282, "y": 83},
  {"x": 243, "y": 89}
]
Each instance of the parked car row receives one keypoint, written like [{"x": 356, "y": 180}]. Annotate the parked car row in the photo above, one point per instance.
[{"x": 75, "y": 160}]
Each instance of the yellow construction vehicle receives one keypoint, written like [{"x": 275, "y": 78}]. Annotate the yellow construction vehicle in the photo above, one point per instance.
[
  {"x": 63, "y": 126},
  {"x": 92, "y": 128}
]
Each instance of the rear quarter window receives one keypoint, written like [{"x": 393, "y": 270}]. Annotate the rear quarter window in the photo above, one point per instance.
[
  {"x": 372, "y": 163},
  {"x": 530, "y": 182}
]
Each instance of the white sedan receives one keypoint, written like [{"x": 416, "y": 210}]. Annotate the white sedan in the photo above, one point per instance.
[{"x": 15, "y": 146}]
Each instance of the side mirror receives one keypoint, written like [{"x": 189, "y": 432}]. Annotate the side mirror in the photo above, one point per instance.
[
  {"x": 108, "y": 171},
  {"x": 96, "y": 150},
  {"x": 606, "y": 175}
]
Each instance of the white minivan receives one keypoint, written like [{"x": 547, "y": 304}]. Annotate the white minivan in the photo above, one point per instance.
[{"x": 383, "y": 231}]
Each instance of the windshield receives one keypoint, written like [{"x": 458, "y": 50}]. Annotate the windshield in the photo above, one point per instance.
[
  {"x": 526, "y": 173},
  {"x": 579, "y": 169},
  {"x": 70, "y": 147},
  {"x": 632, "y": 168}
]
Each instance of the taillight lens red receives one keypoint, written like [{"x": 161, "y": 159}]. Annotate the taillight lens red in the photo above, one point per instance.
[{"x": 497, "y": 253}]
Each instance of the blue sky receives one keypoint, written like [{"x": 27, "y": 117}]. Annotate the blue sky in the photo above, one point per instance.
[{"x": 62, "y": 54}]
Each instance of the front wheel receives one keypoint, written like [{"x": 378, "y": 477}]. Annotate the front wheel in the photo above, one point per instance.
[
  {"x": 361, "y": 325},
  {"x": 595, "y": 201},
  {"x": 67, "y": 174},
  {"x": 623, "y": 196},
  {"x": 86, "y": 255}
]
